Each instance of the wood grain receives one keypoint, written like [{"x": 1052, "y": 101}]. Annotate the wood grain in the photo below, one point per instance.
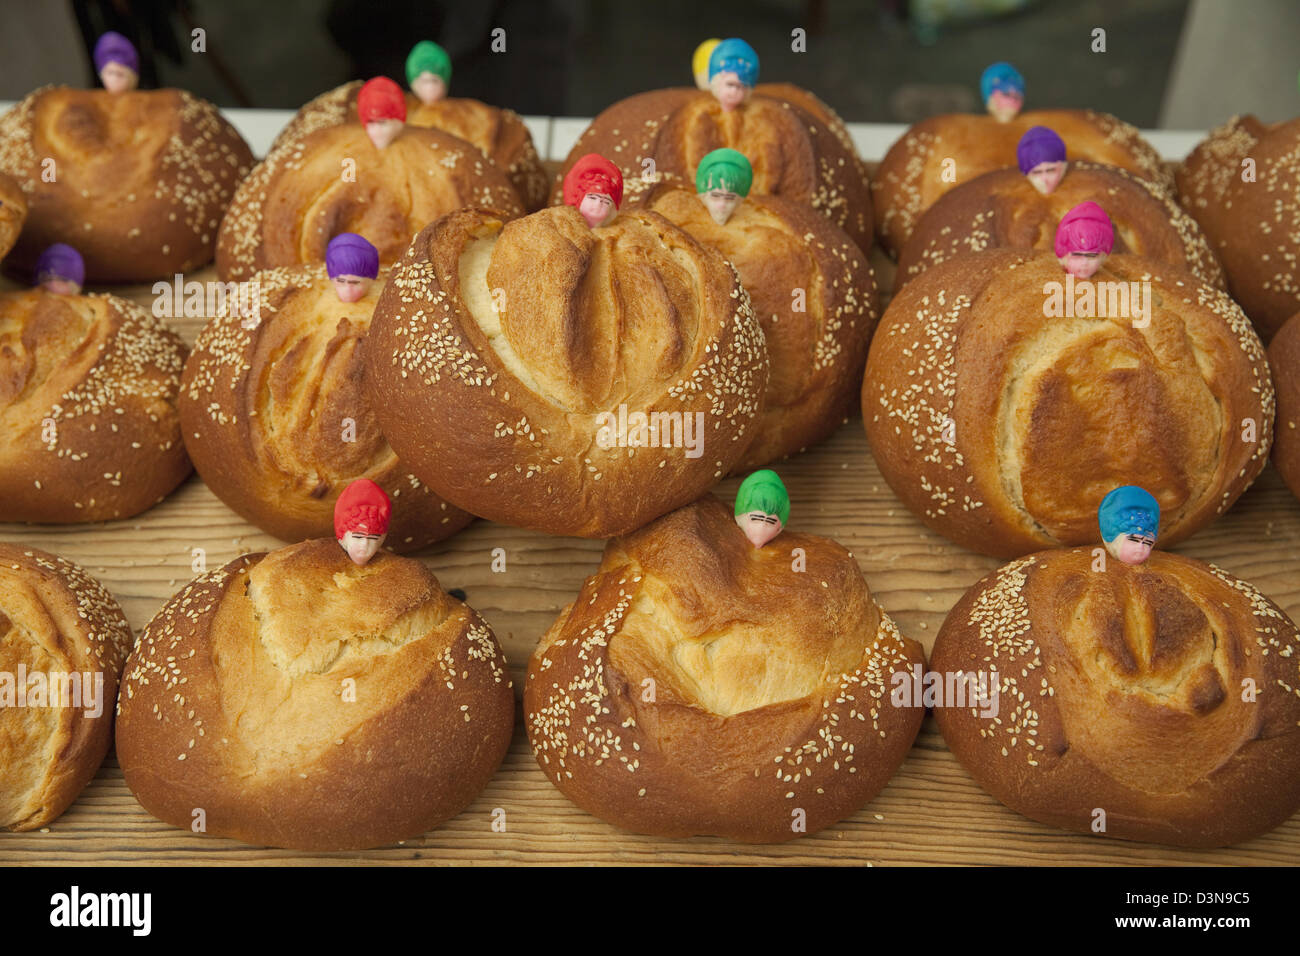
[{"x": 931, "y": 812}]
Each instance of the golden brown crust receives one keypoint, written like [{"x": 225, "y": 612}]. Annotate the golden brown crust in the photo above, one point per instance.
[
  {"x": 1003, "y": 429},
  {"x": 1251, "y": 225},
  {"x": 236, "y": 702},
  {"x": 503, "y": 413},
  {"x": 88, "y": 423},
  {"x": 55, "y": 620},
  {"x": 817, "y": 343},
  {"x": 275, "y": 420},
  {"x": 334, "y": 180},
  {"x": 701, "y": 686},
  {"x": 794, "y": 155},
  {"x": 140, "y": 179},
  {"x": 1284, "y": 359},
  {"x": 13, "y": 212},
  {"x": 911, "y": 176},
  {"x": 1128, "y": 690},
  {"x": 1002, "y": 209},
  {"x": 498, "y": 133}
]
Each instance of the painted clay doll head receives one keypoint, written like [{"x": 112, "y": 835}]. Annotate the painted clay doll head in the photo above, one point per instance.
[
  {"x": 1084, "y": 239},
  {"x": 352, "y": 264},
  {"x": 381, "y": 107},
  {"x": 594, "y": 186},
  {"x": 428, "y": 71},
  {"x": 60, "y": 270},
  {"x": 1041, "y": 157},
  {"x": 700, "y": 63},
  {"x": 1002, "y": 89},
  {"x": 117, "y": 62},
  {"x": 722, "y": 180},
  {"x": 762, "y": 507},
  {"x": 733, "y": 72},
  {"x": 361, "y": 518},
  {"x": 1129, "y": 518}
]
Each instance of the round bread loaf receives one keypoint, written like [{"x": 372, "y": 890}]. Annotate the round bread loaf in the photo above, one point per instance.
[
  {"x": 793, "y": 155},
  {"x": 1002, "y": 429},
  {"x": 137, "y": 182},
  {"x": 301, "y": 701},
  {"x": 912, "y": 177},
  {"x": 1163, "y": 694},
  {"x": 573, "y": 380},
  {"x": 1002, "y": 209},
  {"x": 63, "y": 641},
  {"x": 815, "y": 296},
  {"x": 275, "y": 420},
  {"x": 13, "y": 212},
  {"x": 1249, "y": 212},
  {"x": 499, "y": 134},
  {"x": 334, "y": 180},
  {"x": 701, "y": 686},
  {"x": 1284, "y": 359},
  {"x": 88, "y": 423}
]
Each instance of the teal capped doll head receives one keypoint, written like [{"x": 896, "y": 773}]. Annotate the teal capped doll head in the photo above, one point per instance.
[
  {"x": 762, "y": 507},
  {"x": 1129, "y": 518}
]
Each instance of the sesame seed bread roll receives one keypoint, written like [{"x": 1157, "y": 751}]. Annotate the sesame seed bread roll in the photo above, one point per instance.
[
  {"x": 276, "y": 422},
  {"x": 911, "y": 177},
  {"x": 818, "y": 343},
  {"x": 1164, "y": 694},
  {"x": 88, "y": 424},
  {"x": 701, "y": 686},
  {"x": 13, "y": 212},
  {"x": 140, "y": 179},
  {"x": 1002, "y": 209},
  {"x": 298, "y": 198},
  {"x": 304, "y": 702},
  {"x": 1250, "y": 224},
  {"x": 498, "y": 133},
  {"x": 1284, "y": 359},
  {"x": 794, "y": 155},
  {"x": 1002, "y": 429},
  {"x": 55, "y": 621},
  {"x": 520, "y": 415}
]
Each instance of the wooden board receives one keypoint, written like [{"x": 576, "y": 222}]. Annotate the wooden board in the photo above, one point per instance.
[{"x": 932, "y": 812}]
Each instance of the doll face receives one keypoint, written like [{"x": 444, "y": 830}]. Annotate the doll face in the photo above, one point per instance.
[
  {"x": 60, "y": 286},
  {"x": 721, "y": 204},
  {"x": 429, "y": 88},
  {"x": 1046, "y": 176},
  {"x": 382, "y": 132},
  {"x": 1004, "y": 105},
  {"x": 759, "y": 527},
  {"x": 728, "y": 89},
  {"x": 1132, "y": 548},
  {"x": 1082, "y": 265},
  {"x": 118, "y": 78},
  {"x": 361, "y": 547},
  {"x": 351, "y": 288},
  {"x": 597, "y": 208}
]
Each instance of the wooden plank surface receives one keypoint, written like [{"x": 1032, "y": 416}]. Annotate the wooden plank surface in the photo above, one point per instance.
[{"x": 932, "y": 812}]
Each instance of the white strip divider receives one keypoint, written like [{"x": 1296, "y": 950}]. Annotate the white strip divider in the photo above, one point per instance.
[{"x": 555, "y": 136}]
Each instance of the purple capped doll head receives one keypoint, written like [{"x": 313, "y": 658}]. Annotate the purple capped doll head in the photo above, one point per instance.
[
  {"x": 60, "y": 269},
  {"x": 352, "y": 264},
  {"x": 116, "y": 62},
  {"x": 1041, "y": 157}
]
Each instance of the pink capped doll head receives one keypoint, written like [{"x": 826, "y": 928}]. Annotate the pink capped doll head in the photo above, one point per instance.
[{"x": 1084, "y": 239}]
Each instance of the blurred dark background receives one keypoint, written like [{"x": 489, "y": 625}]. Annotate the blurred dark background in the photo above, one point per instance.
[{"x": 1187, "y": 63}]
